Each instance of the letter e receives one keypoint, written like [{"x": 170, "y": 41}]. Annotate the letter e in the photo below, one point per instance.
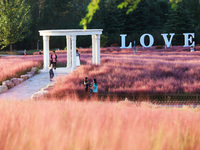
[{"x": 189, "y": 39}]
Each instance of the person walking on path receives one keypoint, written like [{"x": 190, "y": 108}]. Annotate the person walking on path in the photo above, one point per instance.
[
  {"x": 54, "y": 59},
  {"x": 51, "y": 73}
]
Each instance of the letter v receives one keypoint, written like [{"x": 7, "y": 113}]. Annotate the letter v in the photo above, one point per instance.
[{"x": 168, "y": 42}]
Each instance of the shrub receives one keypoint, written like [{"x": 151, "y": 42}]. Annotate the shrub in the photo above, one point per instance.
[
  {"x": 114, "y": 45},
  {"x": 104, "y": 40},
  {"x": 159, "y": 47}
]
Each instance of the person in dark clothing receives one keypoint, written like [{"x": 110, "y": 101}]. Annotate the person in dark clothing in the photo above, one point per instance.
[
  {"x": 51, "y": 73},
  {"x": 40, "y": 52},
  {"x": 54, "y": 59},
  {"x": 86, "y": 84}
]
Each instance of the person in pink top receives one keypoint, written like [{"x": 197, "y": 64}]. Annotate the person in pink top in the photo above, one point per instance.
[
  {"x": 24, "y": 52},
  {"x": 54, "y": 59}
]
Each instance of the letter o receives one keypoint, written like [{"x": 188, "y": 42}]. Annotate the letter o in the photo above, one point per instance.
[{"x": 150, "y": 38}]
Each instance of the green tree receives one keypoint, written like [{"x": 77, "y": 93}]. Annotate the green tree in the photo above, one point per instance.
[
  {"x": 15, "y": 20},
  {"x": 93, "y": 6},
  {"x": 179, "y": 21},
  {"x": 113, "y": 18}
]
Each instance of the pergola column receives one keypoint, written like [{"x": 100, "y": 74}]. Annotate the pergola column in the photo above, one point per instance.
[
  {"x": 73, "y": 52},
  {"x": 93, "y": 49},
  {"x": 97, "y": 49},
  {"x": 46, "y": 52},
  {"x": 69, "y": 55}
]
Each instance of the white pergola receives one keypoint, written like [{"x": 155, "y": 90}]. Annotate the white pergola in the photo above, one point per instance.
[{"x": 71, "y": 45}]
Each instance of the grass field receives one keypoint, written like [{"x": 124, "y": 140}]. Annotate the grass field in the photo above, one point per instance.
[
  {"x": 146, "y": 72},
  {"x": 73, "y": 125},
  {"x": 13, "y": 67}
]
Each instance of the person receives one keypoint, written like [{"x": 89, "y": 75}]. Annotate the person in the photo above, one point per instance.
[
  {"x": 191, "y": 49},
  {"x": 40, "y": 52},
  {"x": 24, "y": 52},
  {"x": 51, "y": 73},
  {"x": 54, "y": 59},
  {"x": 95, "y": 86},
  {"x": 77, "y": 53},
  {"x": 86, "y": 84},
  {"x": 77, "y": 57}
]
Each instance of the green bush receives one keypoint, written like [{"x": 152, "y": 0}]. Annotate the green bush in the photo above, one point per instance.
[{"x": 104, "y": 40}]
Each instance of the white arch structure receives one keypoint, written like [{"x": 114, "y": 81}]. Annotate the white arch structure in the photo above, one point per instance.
[{"x": 71, "y": 36}]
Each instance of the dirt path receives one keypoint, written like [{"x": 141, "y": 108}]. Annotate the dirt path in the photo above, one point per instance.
[{"x": 26, "y": 89}]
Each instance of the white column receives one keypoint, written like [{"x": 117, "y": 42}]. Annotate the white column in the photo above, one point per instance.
[
  {"x": 93, "y": 49},
  {"x": 73, "y": 52},
  {"x": 97, "y": 49},
  {"x": 69, "y": 55},
  {"x": 46, "y": 53}
]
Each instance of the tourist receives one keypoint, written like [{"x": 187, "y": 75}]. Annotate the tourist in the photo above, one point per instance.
[
  {"x": 77, "y": 58},
  {"x": 51, "y": 73},
  {"x": 95, "y": 87},
  {"x": 191, "y": 49},
  {"x": 24, "y": 52},
  {"x": 40, "y": 52},
  {"x": 54, "y": 59},
  {"x": 86, "y": 84}
]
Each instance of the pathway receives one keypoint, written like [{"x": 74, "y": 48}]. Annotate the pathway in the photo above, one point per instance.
[
  {"x": 26, "y": 89},
  {"x": 10, "y": 55}
]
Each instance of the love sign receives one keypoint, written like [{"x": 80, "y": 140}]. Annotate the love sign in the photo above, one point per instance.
[{"x": 168, "y": 41}]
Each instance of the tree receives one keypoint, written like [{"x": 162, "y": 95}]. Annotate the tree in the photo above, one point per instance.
[
  {"x": 113, "y": 17},
  {"x": 15, "y": 20},
  {"x": 179, "y": 21},
  {"x": 93, "y": 6}
]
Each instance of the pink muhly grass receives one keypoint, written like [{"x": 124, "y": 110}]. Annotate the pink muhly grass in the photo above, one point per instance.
[
  {"x": 144, "y": 72},
  {"x": 14, "y": 67},
  {"x": 67, "y": 125}
]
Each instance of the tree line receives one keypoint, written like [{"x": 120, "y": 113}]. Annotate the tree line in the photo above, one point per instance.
[{"x": 20, "y": 21}]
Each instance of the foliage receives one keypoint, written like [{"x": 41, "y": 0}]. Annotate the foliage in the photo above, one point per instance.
[
  {"x": 15, "y": 20},
  {"x": 92, "y": 8},
  {"x": 179, "y": 21},
  {"x": 174, "y": 3},
  {"x": 131, "y": 4},
  {"x": 159, "y": 47},
  {"x": 104, "y": 40},
  {"x": 150, "y": 16},
  {"x": 114, "y": 19}
]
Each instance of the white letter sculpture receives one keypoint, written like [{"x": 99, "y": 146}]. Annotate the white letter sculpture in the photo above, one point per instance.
[
  {"x": 150, "y": 38},
  {"x": 187, "y": 39},
  {"x": 168, "y": 42},
  {"x": 123, "y": 41}
]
